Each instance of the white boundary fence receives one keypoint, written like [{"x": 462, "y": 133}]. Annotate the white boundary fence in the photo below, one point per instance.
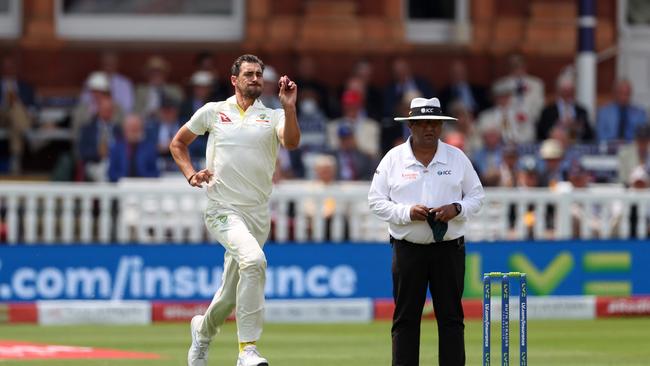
[{"x": 157, "y": 211}]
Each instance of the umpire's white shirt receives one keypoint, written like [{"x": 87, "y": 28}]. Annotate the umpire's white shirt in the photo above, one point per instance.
[
  {"x": 401, "y": 181},
  {"x": 242, "y": 150}
]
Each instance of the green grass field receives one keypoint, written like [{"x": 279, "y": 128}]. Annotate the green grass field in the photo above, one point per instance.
[{"x": 558, "y": 342}]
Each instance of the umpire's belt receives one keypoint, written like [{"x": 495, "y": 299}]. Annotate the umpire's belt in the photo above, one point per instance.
[{"x": 459, "y": 242}]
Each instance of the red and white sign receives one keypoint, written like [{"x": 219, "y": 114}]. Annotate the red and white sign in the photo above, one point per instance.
[
  {"x": 539, "y": 307},
  {"x": 625, "y": 306},
  {"x": 11, "y": 350},
  {"x": 177, "y": 311},
  {"x": 22, "y": 313},
  {"x": 384, "y": 308}
]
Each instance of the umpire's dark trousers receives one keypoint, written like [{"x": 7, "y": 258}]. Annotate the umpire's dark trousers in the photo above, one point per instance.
[{"x": 440, "y": 267}]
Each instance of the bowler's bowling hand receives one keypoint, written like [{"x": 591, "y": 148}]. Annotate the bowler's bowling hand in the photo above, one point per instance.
[
  {"x": 288, "y": 91},
  {"x": 200, "y": 177}
]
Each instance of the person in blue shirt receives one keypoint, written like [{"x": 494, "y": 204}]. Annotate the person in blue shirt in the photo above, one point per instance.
[
  {"x": 132, "y": 155},
  {"x": 618, "y": 120}
]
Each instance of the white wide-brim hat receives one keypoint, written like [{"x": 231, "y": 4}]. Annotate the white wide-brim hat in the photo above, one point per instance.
[
  {"x": 202, "y": 78},
  {"x": 422, "y": 108},
  {"x": 98, "y": 81}
]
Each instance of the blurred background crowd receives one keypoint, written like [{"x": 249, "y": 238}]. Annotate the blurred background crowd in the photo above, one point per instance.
[
  {"x": 518, "y": 128},
  {"x": 121, "y": 125}
]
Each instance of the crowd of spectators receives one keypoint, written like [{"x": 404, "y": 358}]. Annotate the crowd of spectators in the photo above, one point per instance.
[{"x": 514, "y": 133}]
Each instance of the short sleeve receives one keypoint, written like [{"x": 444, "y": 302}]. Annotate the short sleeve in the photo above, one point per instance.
[
  {"x": 198, "y": 124},
  {"x": 278, "y": 120}
]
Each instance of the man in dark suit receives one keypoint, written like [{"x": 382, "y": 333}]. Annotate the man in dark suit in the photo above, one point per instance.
[
  {"x": 94, "y": 139},
  {"x": 565, "y": 113},
  {"x": 404, "y": 82},
  {"x": 473, "y": 97}
]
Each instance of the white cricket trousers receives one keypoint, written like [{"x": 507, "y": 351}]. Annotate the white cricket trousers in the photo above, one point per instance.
[{"x": 242, "y": 232}]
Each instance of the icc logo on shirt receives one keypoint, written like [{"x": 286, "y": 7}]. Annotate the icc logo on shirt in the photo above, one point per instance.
[{"x": 444, "y": 172}]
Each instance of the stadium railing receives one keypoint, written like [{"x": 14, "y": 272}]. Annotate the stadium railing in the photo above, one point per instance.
[{"x": 167, "y": 210}]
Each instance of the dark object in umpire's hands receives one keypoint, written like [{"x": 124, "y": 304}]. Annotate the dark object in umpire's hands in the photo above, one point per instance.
[{"x": 439, "y": 228}]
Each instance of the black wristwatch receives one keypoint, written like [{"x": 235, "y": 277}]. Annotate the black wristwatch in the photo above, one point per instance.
[{"x": 458, "y": 207}]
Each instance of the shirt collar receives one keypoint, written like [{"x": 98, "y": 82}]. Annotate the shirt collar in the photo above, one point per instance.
[
  {"x": 257, "y": 104},
  {"x": 409, "y": 158}
]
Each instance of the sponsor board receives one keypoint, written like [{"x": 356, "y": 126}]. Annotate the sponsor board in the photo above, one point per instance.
[
  {"x": 319, "y": 311},
  {"x": 93, "y": 312},
  {"x": 633, "y": 306},
  {"x": 279, "y": 311},
  {"x": 551, "y": 307},
  {"x": 383, "y": 309},
  {"x": 177, "y": 311},
  {"x": 22, "y": 313},
  {"x": 320, "y": 271},
  {"x": 189, "y": 273},
  {"x": 12, "y": 350}
]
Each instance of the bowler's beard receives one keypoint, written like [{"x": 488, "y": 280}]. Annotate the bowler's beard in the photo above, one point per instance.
[{"x": 250, "y": 92}]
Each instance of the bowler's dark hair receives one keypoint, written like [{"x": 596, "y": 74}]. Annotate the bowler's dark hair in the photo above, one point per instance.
[{"x": 234, "y": 70}]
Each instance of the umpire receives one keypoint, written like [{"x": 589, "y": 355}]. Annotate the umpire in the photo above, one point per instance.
[{"x": 426, "y": 190}]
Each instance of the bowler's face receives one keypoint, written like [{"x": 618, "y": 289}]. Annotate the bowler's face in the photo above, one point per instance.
[
  {"x": 249, "y": 82},
  {"x": 425, "y": 132}
]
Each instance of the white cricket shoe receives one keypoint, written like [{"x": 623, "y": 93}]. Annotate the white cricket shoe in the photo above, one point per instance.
[
  {"x": 251, "y": 357},
  {"x": 198, "y": 353}
]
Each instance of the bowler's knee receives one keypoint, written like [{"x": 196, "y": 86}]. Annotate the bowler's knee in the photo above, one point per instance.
[{"x": 255, "y": 262}]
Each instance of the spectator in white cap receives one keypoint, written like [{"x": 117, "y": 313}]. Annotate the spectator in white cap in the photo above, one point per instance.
[
  {"x": 639, "y": 179},
  {"x": 205, "y": 61},
  {"x": 269, "y": 95},
  {"x": 528, "y": 93},
  {"x": 426, "y": 190},
  {"x": 98, "y": 86},
  {"x": 514, "y": 129},
  {"x": 94, "y": 138},
  {"x": 121, "y": 87},
  {"x": 552, "y": 153}
]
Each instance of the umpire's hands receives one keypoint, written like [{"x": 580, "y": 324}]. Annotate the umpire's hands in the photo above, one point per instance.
[
  {"x": 419, "y": 213},
  {"x": 444, "y": 213},
  {"x": 200, "y": 177}
]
